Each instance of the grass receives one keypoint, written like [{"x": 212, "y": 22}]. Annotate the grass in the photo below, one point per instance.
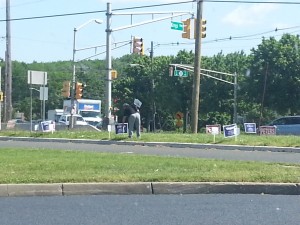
[
  {"x": 243, "y": 139},
  {"x": 50, "y": 166},
  {"x": 53, "y": 166}
]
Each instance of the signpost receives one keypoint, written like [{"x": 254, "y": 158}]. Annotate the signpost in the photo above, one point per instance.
[
  {"x": 177, "y": 25},
  {"x": 181, "y": 73}
]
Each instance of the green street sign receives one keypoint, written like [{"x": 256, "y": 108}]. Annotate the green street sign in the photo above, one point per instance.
[
  {"x": 177, "y": 25},
  {"x": 181, "y": 73}
]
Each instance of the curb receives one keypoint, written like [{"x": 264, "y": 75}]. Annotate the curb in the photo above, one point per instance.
[{"x": 145, "y": 188}]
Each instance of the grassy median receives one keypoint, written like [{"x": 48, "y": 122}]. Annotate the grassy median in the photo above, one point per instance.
[
  {"x": 243, "y": 139},
  {"x": 53, "y": 166}
]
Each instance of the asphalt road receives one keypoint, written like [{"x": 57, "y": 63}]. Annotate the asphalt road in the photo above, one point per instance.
[
  {"x": 211, "y": 209},
  {"x": 161, "y": 150}
]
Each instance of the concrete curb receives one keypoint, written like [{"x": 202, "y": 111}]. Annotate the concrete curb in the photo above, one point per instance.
[
  {"x": 148, "y": 188},
  {"x": 106, "y": 188},
  {"x": 226, "y": 188},
  {"x": 7, "y": 190}
]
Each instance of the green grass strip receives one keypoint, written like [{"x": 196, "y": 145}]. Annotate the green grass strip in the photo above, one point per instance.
[
  {"x": 54, "y": 166},
  {"x": 243, "y": 139}
]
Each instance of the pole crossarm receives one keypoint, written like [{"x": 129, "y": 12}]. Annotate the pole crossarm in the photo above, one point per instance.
[
  {"x": 87, "y": 48},
  {"x": 191, "y": 69},
  {"x": 212, "y": 74},
  {"x": 216, "y": 78},
  {"x": 152, "y": 13},
  {"x": 150, "y": 21}
]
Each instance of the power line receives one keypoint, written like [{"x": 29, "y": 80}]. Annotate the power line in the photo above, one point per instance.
[
  {"x": 244, "y": 37},
  {"x": 254, "y": 2},
  {"x": 150, "y": 6}
]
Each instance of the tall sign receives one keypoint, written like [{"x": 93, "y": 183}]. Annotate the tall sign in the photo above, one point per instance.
[{"x": 39, "y": 78}]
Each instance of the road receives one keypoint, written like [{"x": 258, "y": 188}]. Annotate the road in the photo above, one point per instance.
[
  {"x": 208, "y": 209},
  {"x": 161, "y": 150}
]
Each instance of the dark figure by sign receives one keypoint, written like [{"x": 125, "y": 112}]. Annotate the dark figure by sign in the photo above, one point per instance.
[{"x": 131, "y": 112}]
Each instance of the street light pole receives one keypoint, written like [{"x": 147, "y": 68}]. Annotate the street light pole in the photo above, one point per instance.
[
  {"x": 98, "y": 21},
  {"x": 235, "y": 99},
  {"x": 108, "y": 63}
]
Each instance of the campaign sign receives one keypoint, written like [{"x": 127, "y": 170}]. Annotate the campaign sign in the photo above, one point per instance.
[
  {"x": 250, "y": 128},
  {"x": 48, "y": 126},
  {"x": 213, "y": 129},
  {"x": 121, "y": 128},
  {"x": 230, "y": 130},
  {"x": 267, "y": 130}
]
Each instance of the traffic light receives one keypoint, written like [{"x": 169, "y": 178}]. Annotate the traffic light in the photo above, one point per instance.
[
  {"x": 171, "y": 71},
  {"x": 79, "y": 90},
  {"x": 65, "y": 92},
  {"x": 138, "y": 46},
  {"x": 186, "y": 29},
  {"x": 114, "y": 74},
  {"x": 203, "y": 28}
]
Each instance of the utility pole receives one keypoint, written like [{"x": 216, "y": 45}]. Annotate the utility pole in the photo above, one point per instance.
[
  {"x": 153, "y": 87},
  {"x": 8, "y": 72},
  {"x": 197, "y": 70},
  {"x": 108, "y": 63}
]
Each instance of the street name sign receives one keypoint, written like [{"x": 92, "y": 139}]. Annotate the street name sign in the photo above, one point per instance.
[
  {"x": 181, "y": 73},
  {"x": 177, "y": 25}
]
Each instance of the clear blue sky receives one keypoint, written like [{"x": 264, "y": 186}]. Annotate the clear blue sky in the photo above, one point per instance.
[{"x": 51, "y": 39}]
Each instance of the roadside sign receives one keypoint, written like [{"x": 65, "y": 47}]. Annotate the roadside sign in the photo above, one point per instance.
[
  {"x": 181, "y": 73},
  {"x": 176, "y": 25},
  {"x": 48, "y": 126},
  {"x": 267, "y": 130},
  {"x": 121, "y": 128},
  {"x": 231, "y": 130},
  {"x": 213, "y": 129},
  {"x": 250, "y": 128}
]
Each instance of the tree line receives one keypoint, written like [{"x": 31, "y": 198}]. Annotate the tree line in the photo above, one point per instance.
[{"x": 268, "y": 85}]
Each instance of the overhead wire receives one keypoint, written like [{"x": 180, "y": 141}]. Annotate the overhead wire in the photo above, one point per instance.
[
  {"x": 151, "y": 6},
  {"x": 243, "y": 37}
]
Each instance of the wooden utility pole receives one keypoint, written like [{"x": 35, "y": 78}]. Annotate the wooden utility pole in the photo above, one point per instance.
[
  {"x": 8, "y": 70},
  {"x": 197, "y": 70}
]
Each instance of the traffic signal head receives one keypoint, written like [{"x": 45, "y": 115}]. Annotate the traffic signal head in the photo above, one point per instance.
[
  {"x": 79, "y": 90},
  {"x": 65, "y": 92},
  {"x": 114, "y": 74},
  {"x": 203, "y": 28},
  {"x": 186, "y": 29},
  {"x": 138, "y": 46},
  {"x": 171, "y": 71}
]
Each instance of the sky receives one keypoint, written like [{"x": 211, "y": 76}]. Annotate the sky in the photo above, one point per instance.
[{"x": 231, "y": 27}]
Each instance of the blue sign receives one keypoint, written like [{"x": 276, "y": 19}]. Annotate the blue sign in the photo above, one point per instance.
[
  {"x": 48, "y": 126},
  {"x": 250, "y": 128},
  {"x": 230, "y": 130},
  {"x": 87, "y": 107},
  {"x": 121, "y": 128}
]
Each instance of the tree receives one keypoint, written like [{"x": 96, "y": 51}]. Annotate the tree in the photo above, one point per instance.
[{"x": 275, "y": 75}]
